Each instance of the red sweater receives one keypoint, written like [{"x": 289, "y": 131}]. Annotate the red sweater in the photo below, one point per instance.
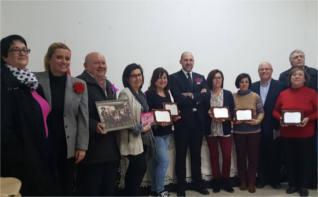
[{"x": 303, "y": 99}]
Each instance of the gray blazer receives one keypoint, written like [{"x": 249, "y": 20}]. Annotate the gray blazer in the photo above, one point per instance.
[{"x": 75, "y": 112}]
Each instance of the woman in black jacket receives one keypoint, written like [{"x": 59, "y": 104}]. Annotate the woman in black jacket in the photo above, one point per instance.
[
  {"x": 24, "y": 132},
  {"x": 219, "y": 131}
]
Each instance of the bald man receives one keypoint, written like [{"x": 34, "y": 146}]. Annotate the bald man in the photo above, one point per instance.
[
  {"x": 269, "y": 158},
  {"x": 187, "y": 88},
  {"x": 97, "y": 173}
]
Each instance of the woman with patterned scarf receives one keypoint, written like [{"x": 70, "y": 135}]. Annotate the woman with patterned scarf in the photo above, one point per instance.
[{"x": 24, "y": 132}]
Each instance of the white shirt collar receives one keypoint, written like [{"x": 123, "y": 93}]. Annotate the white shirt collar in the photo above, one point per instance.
[{"x": 186, "y": 73}]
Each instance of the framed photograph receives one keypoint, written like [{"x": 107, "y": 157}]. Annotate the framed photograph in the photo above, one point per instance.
[
  {"x": 172, "y": 107},
  {"x": 115, "y": 115},
  {"x": 162, "y": 116},
  {"x": 221, "y": 113},
  {"x": 292, "y": 117},
  {"x": 244, "y": 114},
  {"x": 147, "y": 118}
]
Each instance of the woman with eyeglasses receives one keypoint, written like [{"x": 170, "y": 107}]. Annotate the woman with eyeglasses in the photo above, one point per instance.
[
  {"x": 247, "y": 132},
  {"x": 68, "y": 120},
  {"x": 24, "y": 132},
  {"x": 136, "y": 144},
  {"x": 219, "y": 131}
]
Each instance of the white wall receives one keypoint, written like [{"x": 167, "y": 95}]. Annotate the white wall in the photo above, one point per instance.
[{"x": 233, "y": 36}]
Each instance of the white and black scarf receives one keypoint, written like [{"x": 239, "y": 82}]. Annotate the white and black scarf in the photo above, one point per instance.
[{"x": 24, "y": 76}]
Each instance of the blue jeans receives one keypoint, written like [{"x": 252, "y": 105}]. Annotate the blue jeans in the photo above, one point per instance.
[{"x": 160, "y": 163}]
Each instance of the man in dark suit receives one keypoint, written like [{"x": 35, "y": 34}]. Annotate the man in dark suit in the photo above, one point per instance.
[
  {"x": 187, "y": 88},
  {"x": 297, "y": 59},
  {"x": 269, "y": 157}
]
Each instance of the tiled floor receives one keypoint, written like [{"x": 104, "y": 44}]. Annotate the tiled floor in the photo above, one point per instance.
[{"x": 266, "y": 191}]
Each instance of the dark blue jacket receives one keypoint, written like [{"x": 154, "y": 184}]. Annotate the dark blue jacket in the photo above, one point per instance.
[
  {"x": 180, "y": 84},
  {"x": 269, "y": 123},
  {"x": 228, "y": 101}
]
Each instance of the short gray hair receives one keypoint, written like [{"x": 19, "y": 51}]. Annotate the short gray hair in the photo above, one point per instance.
[{"x": 295, "y": 51}]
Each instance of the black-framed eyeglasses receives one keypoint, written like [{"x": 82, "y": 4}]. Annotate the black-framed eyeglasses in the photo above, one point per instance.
[
  {"x": 136, "y": 75},
  {"x": 17, "y": 50}
]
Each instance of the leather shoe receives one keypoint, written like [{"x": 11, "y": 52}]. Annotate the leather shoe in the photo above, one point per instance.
[
  {"x": 216, "y": 186},
  {"x": 202, "y": 190},
  {"x": 276, "y": 186},
  {"x": 291, "y": 190},
  {"x": 251, "y": 189},
  {"x": 303, "y": 192},
  {"x": 181, "y": 193},
  {"x": 243, "y": 186},
  {"x": 227, "y": 185},
  {"x": 260, "y": 184}
]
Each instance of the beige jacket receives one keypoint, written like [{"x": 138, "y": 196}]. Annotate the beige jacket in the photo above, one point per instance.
[{"x": 130, "y": 144}]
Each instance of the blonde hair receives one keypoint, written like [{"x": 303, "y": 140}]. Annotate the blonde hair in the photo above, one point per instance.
[{"x": 50, "y": 52}]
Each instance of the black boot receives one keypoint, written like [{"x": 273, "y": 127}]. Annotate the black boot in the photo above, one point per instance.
[
  {"x": 227, "y": 186},
  {"x": 216, "y": 185}
]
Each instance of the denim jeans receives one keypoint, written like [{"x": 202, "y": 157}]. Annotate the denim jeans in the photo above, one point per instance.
[{"x": 160, "y": 163}]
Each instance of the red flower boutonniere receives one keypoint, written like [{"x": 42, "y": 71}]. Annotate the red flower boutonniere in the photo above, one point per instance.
[
  {"x": 198, "y": 80},
  {"x": 78, "y": 87}
]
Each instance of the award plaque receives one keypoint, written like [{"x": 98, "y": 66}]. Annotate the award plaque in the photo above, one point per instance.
[
  {"x": 147, "y": 118},
  {"x": 291, "y": 117},
  {"x": 162, "y": 116},
  {"x": 172, "y": 107},
  {"x": 244, "y": 114},
  {"x": 221, "y": 113}
]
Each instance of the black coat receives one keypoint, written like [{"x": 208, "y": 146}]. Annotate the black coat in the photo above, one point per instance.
[
  {"x": 24, "y": 152},
  {"x": 101, "y": 147},
  {"x": 180, "y": 84}
]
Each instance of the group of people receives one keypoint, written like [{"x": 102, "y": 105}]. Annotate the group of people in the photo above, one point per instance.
[{"x": 53, "y": 140}]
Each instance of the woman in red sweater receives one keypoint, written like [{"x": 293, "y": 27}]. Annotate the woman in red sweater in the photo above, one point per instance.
[{"x": 298, "y": 139}]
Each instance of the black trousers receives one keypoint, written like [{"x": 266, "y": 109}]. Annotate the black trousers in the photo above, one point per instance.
[
  {"x": 97, "y": 179},
  {"x": 135, "y": 173},
  {"x": 269, "y": 164},
  {"x": 63, "y": 176},
  {"x": 188, "y": 137},
  {"x": 299, "y": 159}
]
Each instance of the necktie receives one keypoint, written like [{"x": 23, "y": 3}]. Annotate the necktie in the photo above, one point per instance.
[{"x": 190, "y": 80}]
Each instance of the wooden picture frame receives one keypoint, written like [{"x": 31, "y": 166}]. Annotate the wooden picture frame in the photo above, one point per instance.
[{"x": 115, "y": 115}]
